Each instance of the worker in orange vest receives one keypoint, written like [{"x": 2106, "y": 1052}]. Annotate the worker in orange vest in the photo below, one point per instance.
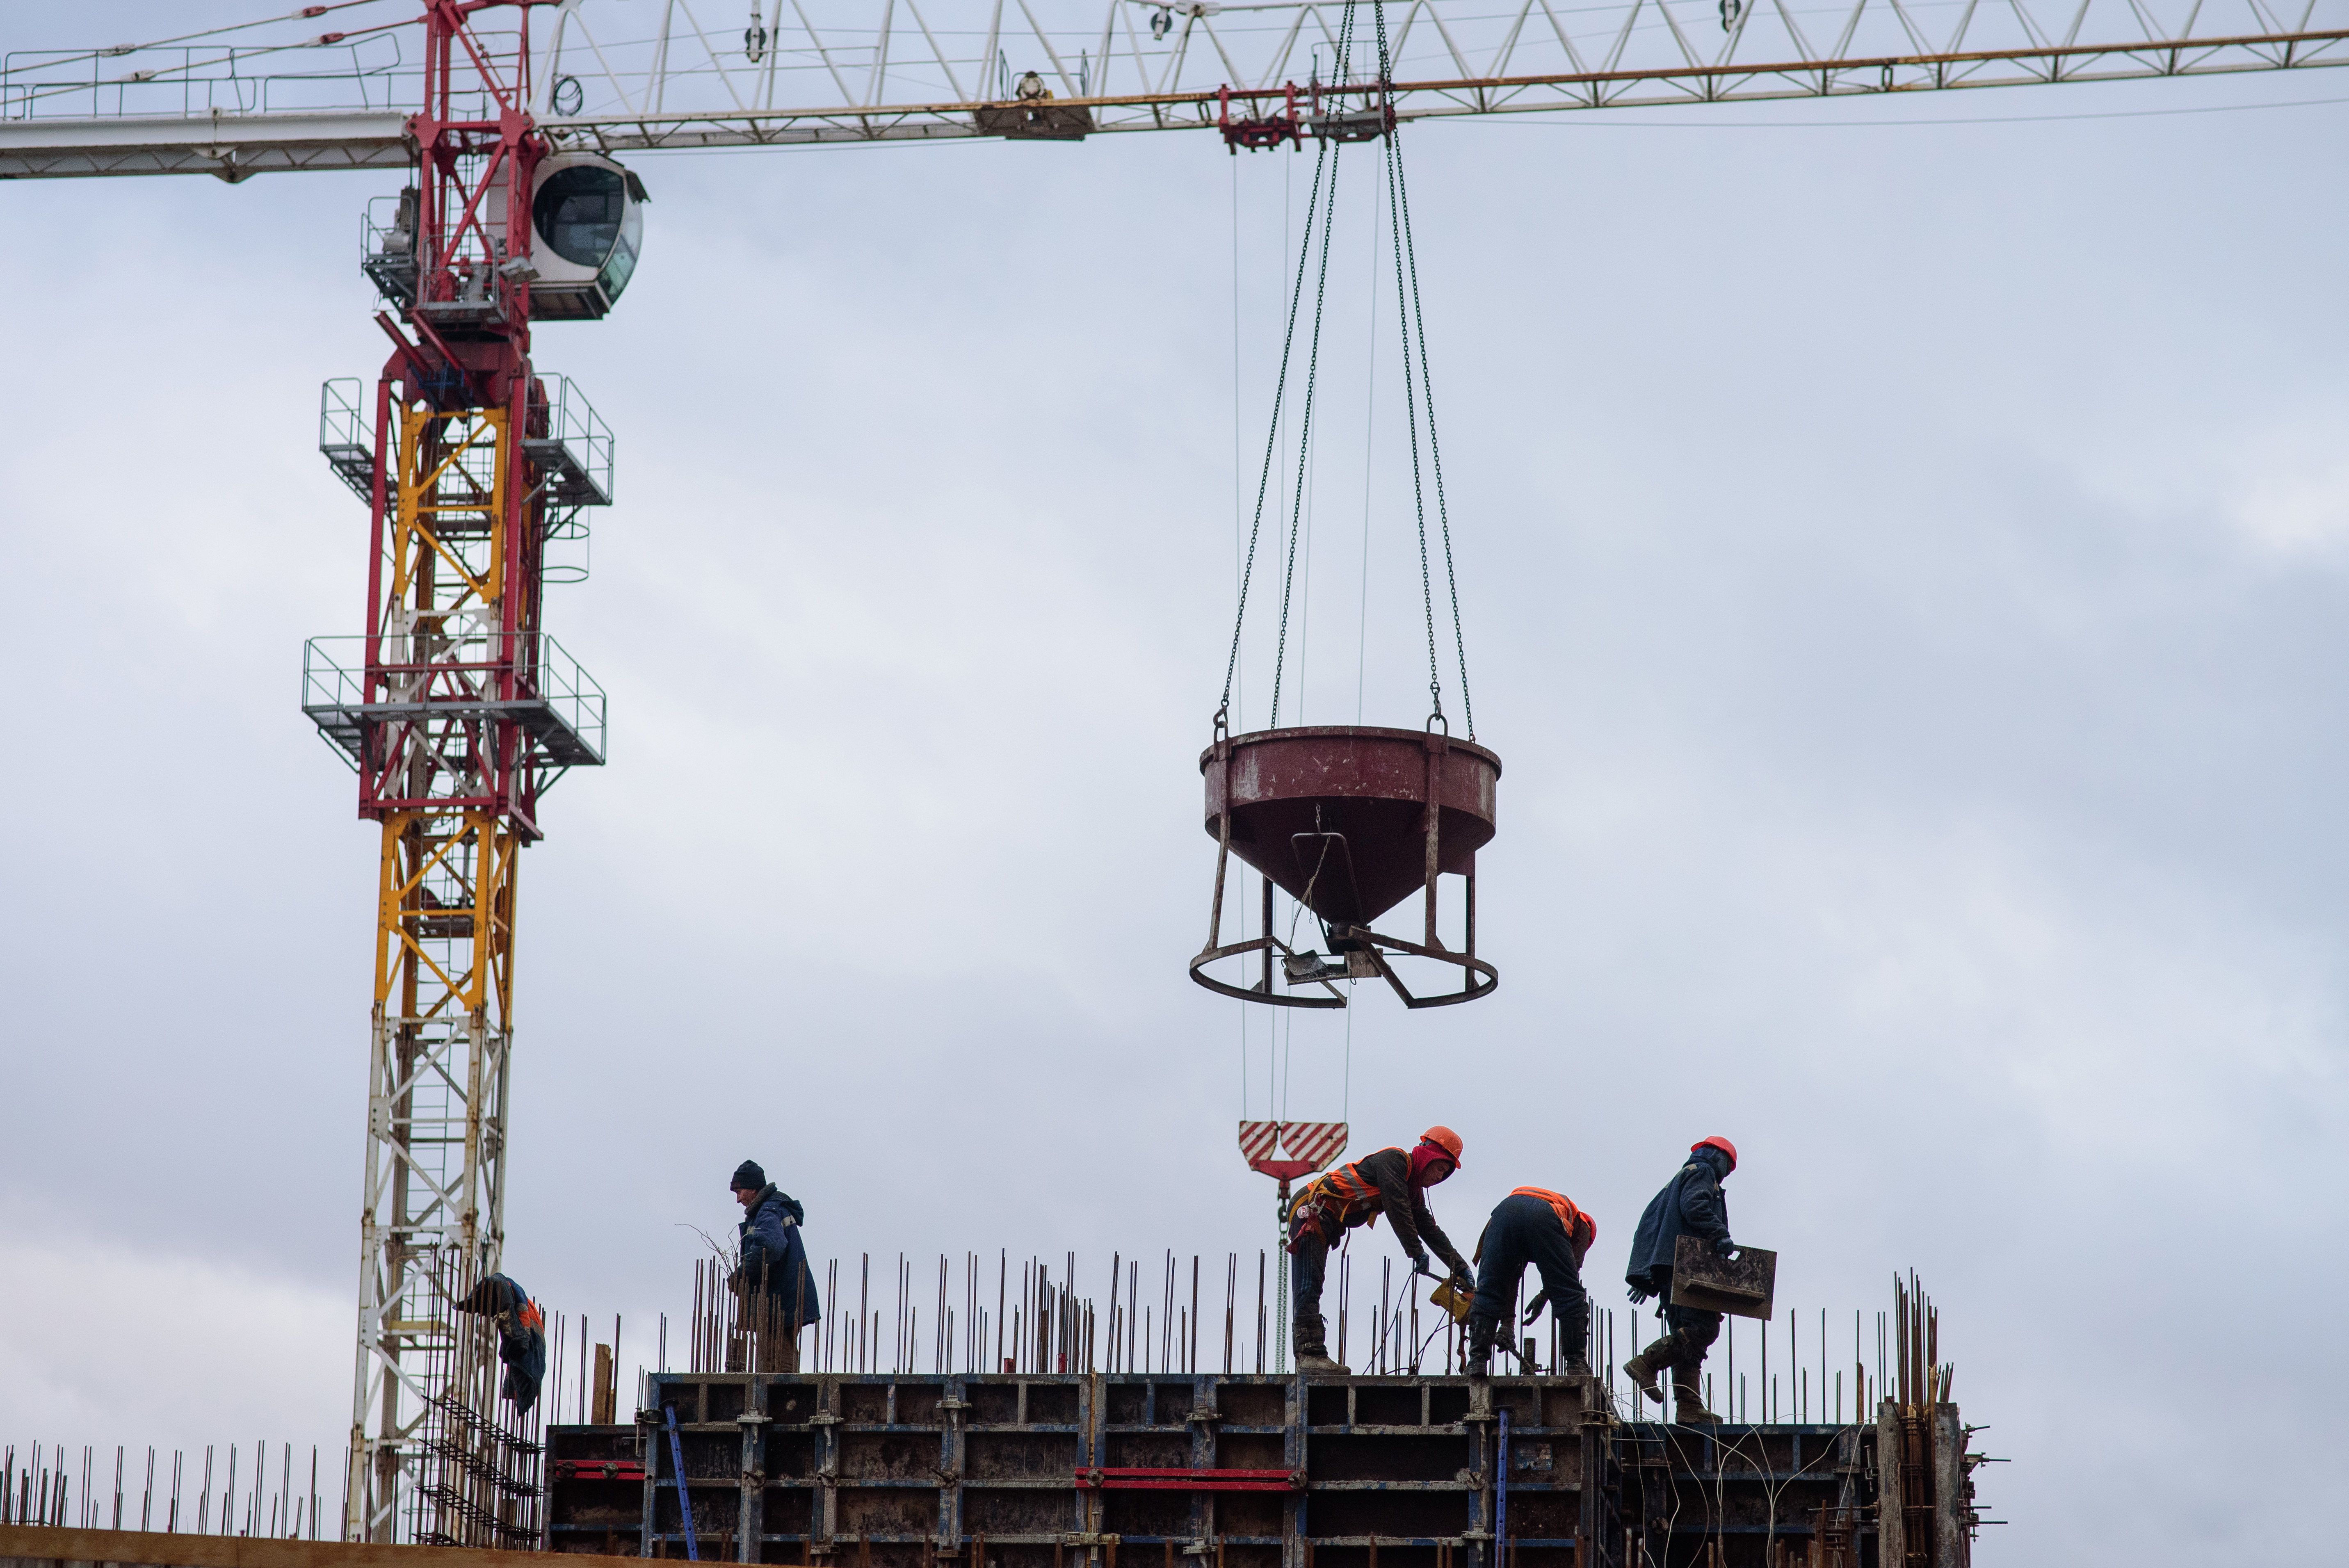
[
  {"x": 1533, "y": 1225},
  {"x": 1394, "y": 1182}
]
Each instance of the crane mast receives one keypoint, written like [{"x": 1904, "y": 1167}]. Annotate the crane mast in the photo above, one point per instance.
[
  {"x": 457, "y": 710},
  {"x": 453, "y": 706}
]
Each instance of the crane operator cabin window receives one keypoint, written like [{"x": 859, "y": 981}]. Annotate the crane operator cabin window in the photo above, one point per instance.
[{"x": 587, "y": 211}]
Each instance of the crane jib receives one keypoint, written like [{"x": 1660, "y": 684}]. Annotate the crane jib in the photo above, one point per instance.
[{"x": 51, "y": 129}]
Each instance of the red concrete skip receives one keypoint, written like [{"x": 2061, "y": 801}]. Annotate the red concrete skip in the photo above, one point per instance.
[{"x": 1293, "y": 787}]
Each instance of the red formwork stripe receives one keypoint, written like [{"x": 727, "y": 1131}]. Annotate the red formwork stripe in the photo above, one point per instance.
[
  {"x": 598, "y": 1470},
  {"x": 1131, "y": 1478}
]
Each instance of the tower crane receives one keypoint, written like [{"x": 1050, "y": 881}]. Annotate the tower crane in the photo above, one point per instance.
[{"x": 510, "y": 118}]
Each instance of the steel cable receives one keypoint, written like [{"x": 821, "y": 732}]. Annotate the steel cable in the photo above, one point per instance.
[
  {"x": 1406, "y": 259},
  {"x": 1271, "y": 445}
]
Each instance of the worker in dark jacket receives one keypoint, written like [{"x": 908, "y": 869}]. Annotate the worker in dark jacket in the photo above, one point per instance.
[
  {"x": 1393, "y": 1182},
  {"x": 1691, "y": 1203},
  {"x": 1532, "y": 1225},
  {"x": 778, "y": 1296},
  {"x": 521, "y": 1335}
]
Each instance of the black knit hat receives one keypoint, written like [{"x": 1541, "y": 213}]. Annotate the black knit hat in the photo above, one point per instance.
[{"x": 748, "y": 1174}]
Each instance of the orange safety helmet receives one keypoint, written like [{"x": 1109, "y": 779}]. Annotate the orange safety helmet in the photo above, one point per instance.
[
  {"x": 1446, "y": 1140},
  {"x": 1717, "y": 1141}
]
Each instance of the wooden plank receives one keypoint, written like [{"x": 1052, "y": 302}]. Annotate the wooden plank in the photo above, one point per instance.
[{"x": 38, "y": 1546}]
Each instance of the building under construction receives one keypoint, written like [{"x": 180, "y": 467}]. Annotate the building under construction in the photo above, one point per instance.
[
  {"x": 1036, "y": 1463},
  {"x": 1067, "y": 1435}
]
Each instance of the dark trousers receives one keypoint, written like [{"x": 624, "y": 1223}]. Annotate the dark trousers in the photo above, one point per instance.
[
  {"x": 1525, "y": 1230},
  {"x": 1309, "y": 1261},
  {"x": 1695, "y": 1329}
]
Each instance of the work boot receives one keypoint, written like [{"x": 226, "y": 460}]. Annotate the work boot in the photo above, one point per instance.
[
  {"x": 1688, "y": 1403},
  {"x": 1480, "y": 1346},
  {"x": 1310, "y": 1341},
  {"x": 1575, "y": 1366},
  {"x": 1657, "y": 1358}
]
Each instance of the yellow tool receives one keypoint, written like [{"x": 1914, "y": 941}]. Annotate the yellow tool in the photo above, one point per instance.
[{"x": 1453, "y": 1299}]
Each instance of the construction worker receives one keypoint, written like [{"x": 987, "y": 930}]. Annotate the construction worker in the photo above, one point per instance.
[
  {"x": 778, "y": 1297},
  {"x": 1532, "y": 1225},
  {"x": 1393, "y": 1182},
  {"x": 1694, "y": 1203},
  {"x": 521, "y": 1335}
]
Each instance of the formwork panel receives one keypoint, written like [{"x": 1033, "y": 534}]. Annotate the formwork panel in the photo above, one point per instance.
[
  {"x": 1425, "y": 1511},
  {"x": 790, "y": 1453},
  {"x": 1253, "y": 1404},
  {"x": 911, "y": 1510},
  {"x": 1250, "y": 1450},
  {"x": 993, "y": 1404},
  {"x": 791, "y": 1404},
  {"x": 787, "y": 1511},
  {"x": 1546, "y": 1515},
  {"x": 1349, "y": 1456},
  {"x": 1052, "y": 1404},
  {"x": 1027, "y": 1510},
  {"x": 1250, "y": 1514},
  {"x": 1156, "y": 1515},
  {"x": 715, "y": 1510},
  {"x": 1022, "y": 1456},
  {"x": 887, "y": 1456},
  {"x": 909, "y": 1471},
  {"x": 865, "y": 1402},
  {"x": 1377, "y": 1405},
  {"x": 1156, "y": 1449}
]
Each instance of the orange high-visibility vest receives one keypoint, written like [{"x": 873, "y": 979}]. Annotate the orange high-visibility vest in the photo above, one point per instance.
[
  {"x": 1344, "y": 1193},
  {"x": 1568, "y": 1214}
]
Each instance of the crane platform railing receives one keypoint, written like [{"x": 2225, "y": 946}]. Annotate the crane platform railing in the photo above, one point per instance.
[
  {"x": 558, "y": 703},
  {"x": 847, "y": 70}
]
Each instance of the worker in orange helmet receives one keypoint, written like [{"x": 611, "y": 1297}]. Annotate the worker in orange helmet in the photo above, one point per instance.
[
  {"x": 1394, "y": 1182},
  {"x": 1690, "y": 1203},
  {"x": 1533, "y": 1225}
]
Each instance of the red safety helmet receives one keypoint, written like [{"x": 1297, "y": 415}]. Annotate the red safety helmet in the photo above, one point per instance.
[
  {"x": 1719, "y": 1142},
  {"x": 1446, "y": 1140}
]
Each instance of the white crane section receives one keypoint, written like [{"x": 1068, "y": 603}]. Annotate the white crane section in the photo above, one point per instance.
[{"x": 727, "y": 73}]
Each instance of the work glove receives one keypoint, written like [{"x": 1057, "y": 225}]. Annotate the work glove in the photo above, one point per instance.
[
  {"x": 1462, "y": 1280},
  {"x": 1533, "y": 1308},
  {"x": 1419, "y": 1265},
  {"x": 1639, "y": 1295},
  {"x": 1724, "y": 1249}
]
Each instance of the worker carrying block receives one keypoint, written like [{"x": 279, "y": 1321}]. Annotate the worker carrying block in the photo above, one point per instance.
[
  {"x": 1391, "y": 1182},
  {"x": 1532, "y": 1225},
  {"x": 1691, "y": 1204}
]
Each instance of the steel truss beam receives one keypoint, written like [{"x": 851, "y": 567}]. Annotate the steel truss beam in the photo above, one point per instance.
[
  {"x": 896, "y": 70},
  {"x": 1663, "y": 87}
]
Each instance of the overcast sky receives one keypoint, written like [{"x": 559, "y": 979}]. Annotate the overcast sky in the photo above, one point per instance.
[{"x": 1903, "y": 568}]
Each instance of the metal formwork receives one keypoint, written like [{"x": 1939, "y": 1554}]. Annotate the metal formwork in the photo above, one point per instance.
[
  {"x": 1022, "y": 1471},
  {"x": 1059, "y": 1471}
]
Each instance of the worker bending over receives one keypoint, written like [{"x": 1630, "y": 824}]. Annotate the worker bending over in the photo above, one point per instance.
[
  {"x": 1693, "y": 1202},
  {"x": 1532, "y": 1225},
  {"x": 1391, "y": 1182},
  {"x": 777, "y": 1297}
]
